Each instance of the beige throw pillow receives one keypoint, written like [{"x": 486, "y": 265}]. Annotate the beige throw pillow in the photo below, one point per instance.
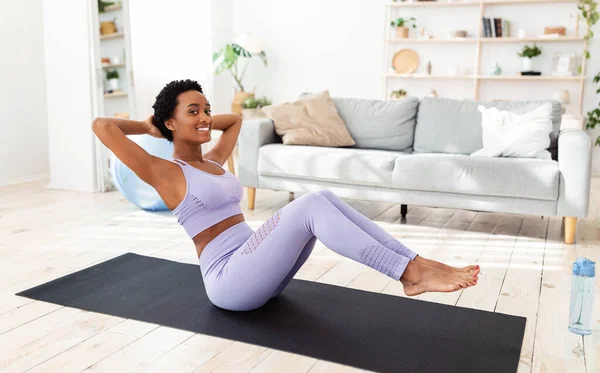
[{"x": 310, "y": 121}]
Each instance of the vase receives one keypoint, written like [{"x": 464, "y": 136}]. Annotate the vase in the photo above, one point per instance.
[
  {"x": 495, "y": 69},
  {"x": 402, "y": 32},
  {"x": 526, "y": 64},
  {"x": 238, "y": 99},
  {"x": 253, "y": 113},
  {"x": 113, "y": 84}
]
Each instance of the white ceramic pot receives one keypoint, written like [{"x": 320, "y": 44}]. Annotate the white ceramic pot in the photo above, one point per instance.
[
  {"x": 526, "y": 64},
  {"x": 252, "y": 113},
  {"x": 113, "y": 84}
]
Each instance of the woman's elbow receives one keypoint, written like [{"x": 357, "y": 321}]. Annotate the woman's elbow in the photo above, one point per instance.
[{"x": 97, "y": 124}]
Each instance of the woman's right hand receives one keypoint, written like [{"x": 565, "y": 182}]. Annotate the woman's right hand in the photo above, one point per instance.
[{"x": 152, "y": 129}]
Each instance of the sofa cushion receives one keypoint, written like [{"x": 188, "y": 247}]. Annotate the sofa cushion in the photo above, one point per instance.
[
  {"x": 339, "y": 165},
  {"x": 507, "y": 134},
  {"x": 463, "y": 174},
  {"x": 375, "y": 124},
  {"x": 454, "y": 126},
  {"x": 312, "y": 120}
]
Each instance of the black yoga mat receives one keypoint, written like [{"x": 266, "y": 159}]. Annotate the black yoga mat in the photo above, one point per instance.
[{"x": 371, "y": 331}]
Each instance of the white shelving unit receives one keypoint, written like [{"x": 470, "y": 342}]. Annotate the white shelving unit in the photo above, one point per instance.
[
  {"x": 478, "y": 42},
  {"x": 116, "y": 47}
]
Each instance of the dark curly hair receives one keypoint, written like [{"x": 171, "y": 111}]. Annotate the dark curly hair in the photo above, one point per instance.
[{"x": 167, "y": 100}]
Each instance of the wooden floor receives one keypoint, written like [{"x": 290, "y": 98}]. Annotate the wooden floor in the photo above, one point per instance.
[{"x": 45, "y": 234}]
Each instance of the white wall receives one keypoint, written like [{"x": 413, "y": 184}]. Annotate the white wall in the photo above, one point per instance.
[
  {"x": 24, "y": 140},
  {"x": 313, "y": 45},
  {"x": 222, "y": 33},
  {"x": 169, "y": 41},
  {"x": 338, "y": 45},
  {"x": 68, "y": 83}
]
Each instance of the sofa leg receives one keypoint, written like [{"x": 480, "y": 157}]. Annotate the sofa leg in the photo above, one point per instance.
[
  {"x": 403, "y": 210},
  {"x": 291, "y": 196},
  {"x": 570, "y": 226},
  {"x": 251, "y": 195}
]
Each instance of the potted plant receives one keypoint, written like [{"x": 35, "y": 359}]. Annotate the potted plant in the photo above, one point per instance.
[
  {"x": 527, "y": 54},
  {"x": 251, "y": 107},
  {"x": 227, "y": 59},
  {"x": 112, "y": 77},
  {"x": 398, "y": 94},
  {"x": 401, "y": 25},
  {"x": 262, "y": 102},
  {"x": 102, "y": 5}
]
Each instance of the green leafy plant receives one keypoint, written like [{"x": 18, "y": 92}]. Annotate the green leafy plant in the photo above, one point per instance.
[
  {"x": 530, "y": 52},
  {"x": 593, "y": 117},
  {"x": 263, "y": 101},
  {"x": 252, "y": 103},
  {"x": 403, "y": 22},
  {"x": 113, "y": 74},
  {"x": 227, "y": 59},
  {"x": 103, "y": 4},
  {"x": 399, "y": 93},
  {"x": 589, "y": 12}
]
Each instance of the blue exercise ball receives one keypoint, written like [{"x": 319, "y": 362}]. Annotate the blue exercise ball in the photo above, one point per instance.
[{"x": 134, "y": 189}]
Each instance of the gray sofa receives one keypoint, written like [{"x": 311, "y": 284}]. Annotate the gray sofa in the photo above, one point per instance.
[{"x": 417, "y": 152}]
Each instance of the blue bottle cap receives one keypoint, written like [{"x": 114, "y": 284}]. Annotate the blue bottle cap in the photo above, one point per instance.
[{"x": 584, "y": 267}]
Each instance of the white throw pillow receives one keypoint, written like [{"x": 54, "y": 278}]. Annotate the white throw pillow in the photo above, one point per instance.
[{"x": 507, "y": 134}]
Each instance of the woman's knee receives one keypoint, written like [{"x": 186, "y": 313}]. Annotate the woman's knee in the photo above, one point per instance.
[
  {"x": 328, "y": 194},
  {"x": 312, "y": 199}
]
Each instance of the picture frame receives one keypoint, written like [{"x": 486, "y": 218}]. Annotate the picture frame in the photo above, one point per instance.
[{"x": 563, "y": 64}]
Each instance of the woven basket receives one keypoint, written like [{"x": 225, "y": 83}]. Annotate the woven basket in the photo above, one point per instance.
[{"x": 560, "y": 30}]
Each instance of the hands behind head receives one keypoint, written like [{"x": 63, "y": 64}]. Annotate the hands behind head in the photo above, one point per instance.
[{"x": 152, "y": 129}]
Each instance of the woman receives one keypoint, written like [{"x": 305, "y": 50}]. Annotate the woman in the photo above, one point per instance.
[{"x": 243, "y": 269}]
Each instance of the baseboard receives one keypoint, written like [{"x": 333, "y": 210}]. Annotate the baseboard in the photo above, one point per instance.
[{"x": 25, "y": 179}]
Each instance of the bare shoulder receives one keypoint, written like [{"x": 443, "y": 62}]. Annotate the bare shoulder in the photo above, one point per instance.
[
  {"x": 170, "y": 183},
  {"x": 213, "y": 157}
]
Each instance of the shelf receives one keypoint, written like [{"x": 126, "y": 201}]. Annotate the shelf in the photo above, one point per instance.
[
  {"x": 116, "y": 35},
  {"x": 487, "y": 40},
  {"x": 113, "y": 66},
  {"x": 473, "y": 3},
  {"x": 485, "y": 77},
  {"x": 512, "y": 2},
  {"x": 529, "y": 40},
  {"x": 112, "y": 8},
  {"x": 425, "y": 76},
  {"x": 432, "y": 4},
  {"x": 114, "y": 95},
  {"x": 529, "y": 77},
  {"x": 433, "y": 41}
]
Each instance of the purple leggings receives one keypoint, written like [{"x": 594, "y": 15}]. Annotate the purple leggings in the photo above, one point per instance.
[{"x": 242, "y": 269}]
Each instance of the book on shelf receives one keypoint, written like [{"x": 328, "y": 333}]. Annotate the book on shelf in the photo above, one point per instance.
[{"x": 495, "y": 27}]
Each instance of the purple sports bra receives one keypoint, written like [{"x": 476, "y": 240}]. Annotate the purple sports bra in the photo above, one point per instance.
[{"x": 208, "y": 199}]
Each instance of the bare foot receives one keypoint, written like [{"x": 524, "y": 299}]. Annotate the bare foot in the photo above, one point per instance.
[
  {"x": 419, "y": 278},
  {"x": 464, "y": 271}
]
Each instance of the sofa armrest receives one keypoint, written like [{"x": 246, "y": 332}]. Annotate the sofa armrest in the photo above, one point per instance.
[
  {"x": 575, "y": 166},
  {"x": 254, "y": 134}
]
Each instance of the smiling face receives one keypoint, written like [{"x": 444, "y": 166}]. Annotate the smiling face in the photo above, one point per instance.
[{"x": 191, "y": 121}]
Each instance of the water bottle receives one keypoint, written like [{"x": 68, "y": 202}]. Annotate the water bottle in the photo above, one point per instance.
[{"x": 582, "y": 296}]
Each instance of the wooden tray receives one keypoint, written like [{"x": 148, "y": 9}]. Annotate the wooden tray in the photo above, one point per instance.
[{"x": 405, "y": 61}]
